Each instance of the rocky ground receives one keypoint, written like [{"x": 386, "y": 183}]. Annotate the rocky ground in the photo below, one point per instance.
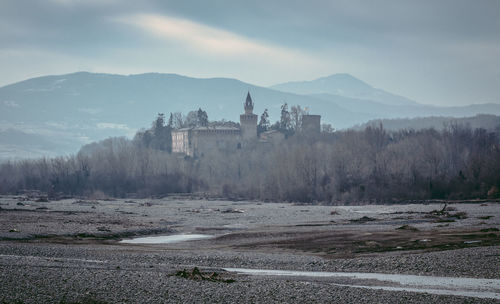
[{"x": 68, "y": 251}]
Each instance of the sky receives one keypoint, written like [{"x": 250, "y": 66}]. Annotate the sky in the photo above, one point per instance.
[{"x": 441, "y": 52}]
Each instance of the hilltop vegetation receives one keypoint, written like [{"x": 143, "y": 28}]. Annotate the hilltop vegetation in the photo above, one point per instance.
[{"x": 485, "y": 121}]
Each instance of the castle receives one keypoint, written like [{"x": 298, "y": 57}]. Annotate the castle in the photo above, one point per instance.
[{"x": 195, "y": 141}]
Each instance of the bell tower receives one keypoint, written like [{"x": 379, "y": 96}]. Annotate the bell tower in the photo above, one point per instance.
[{"x": 248, "y": 121}]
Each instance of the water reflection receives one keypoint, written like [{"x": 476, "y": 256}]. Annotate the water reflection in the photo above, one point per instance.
[{"x": 167, "y": 239}]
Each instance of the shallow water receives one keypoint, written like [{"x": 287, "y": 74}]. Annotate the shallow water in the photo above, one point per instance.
[
  {"x": 469, "y": 287},
  {"x": 167, "y": 239},
  {"x": 235, "y": 226},
  {"x": 449, "y": 292}
]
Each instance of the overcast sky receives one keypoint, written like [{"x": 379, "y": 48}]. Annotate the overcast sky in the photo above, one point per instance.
[{"x": 435, "y": 52}]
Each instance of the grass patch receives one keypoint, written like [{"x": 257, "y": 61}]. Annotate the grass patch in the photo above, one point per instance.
[
  {"x": 489, "y": 230},
  {"x": 407, "y": 227},
  {"x": 458, "y": 215},
  {"x": 404, "y": 238},
  {"x": 417, "y": 245},
  {"x": 487, "y": 217},
  {"x": 197, "y": 275},
  {"x": 86, "y": 300},
  {"x": 444, "y": 220},
  {"x": 363, "y": 219}
]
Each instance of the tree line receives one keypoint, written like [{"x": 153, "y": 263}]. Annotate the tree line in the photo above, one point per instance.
[{"x": 364, "y": 166}]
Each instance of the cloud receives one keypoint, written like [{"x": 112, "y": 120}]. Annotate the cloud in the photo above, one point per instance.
[
  {"x": 121, "y": 129},
  {"x": 92, "y": 111},
  {"x": 115, "y": 126},
  {"x": 11, "y": 103},
  {"x": 85, "y": 2},
  {"x": 56, "y": 124},
  {"x": 202, "y": 38}
]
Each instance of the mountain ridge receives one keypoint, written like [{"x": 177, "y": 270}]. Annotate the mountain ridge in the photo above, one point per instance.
[{"x": 343, "y": 84}]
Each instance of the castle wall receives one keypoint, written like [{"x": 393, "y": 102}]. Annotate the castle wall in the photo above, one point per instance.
[
  {"x": 205, "y": 141},
  {"x": 311, "y": 123},
  {"x": 273, "y": 137}
]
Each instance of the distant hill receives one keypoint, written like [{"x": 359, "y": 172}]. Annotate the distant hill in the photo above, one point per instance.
[
  {"x": 15, "y": 144},
  {"x": 488, "y": 122},
  {"x": 343, "y": 85},
  {"x": 377, "y": 109},
  {"x": 74, "y": 109}
]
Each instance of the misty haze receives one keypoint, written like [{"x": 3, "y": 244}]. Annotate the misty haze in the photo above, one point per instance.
[{"x": 249, "y": 151}]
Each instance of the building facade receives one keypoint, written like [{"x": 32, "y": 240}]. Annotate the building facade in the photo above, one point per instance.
[
  {"x": 196, "y": 141},
  {"x": 311, "y": 124}
]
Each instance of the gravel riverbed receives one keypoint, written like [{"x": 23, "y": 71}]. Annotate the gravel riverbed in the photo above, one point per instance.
[{"x": 68, "y": 252}]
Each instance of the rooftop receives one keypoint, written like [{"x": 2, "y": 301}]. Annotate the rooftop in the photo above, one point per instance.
[{"x": 209, "y": 128}]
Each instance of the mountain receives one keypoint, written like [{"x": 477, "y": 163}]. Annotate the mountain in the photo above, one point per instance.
[
  {"x": 127, "y": 102},
  {"x": 67, "y": 111},
  {"x": 343, "y": 85}
]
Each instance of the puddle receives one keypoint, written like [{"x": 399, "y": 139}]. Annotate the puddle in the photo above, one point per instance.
[
  {"x": 449, "y": 292},
  {"x": 469, "y": 287},
  {"x": 235, "y": 226},
  {"x": 168, "y": 239}
]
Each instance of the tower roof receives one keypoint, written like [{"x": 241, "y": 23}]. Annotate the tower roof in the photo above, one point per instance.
[
  {"x": 248, "y": 104},
  {"x": 249, "y": 98}
]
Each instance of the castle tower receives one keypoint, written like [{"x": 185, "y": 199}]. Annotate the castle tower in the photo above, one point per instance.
[{"x": 248, "y": 121}]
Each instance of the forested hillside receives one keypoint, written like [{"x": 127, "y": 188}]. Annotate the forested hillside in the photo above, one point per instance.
[{"x": 485, "y": 121}]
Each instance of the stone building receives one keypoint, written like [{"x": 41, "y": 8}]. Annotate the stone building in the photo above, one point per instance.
[{"x": 196, "y": 141}]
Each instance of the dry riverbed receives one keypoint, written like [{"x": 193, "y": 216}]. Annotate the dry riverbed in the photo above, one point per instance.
[{"x": 86, "y": 251}]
